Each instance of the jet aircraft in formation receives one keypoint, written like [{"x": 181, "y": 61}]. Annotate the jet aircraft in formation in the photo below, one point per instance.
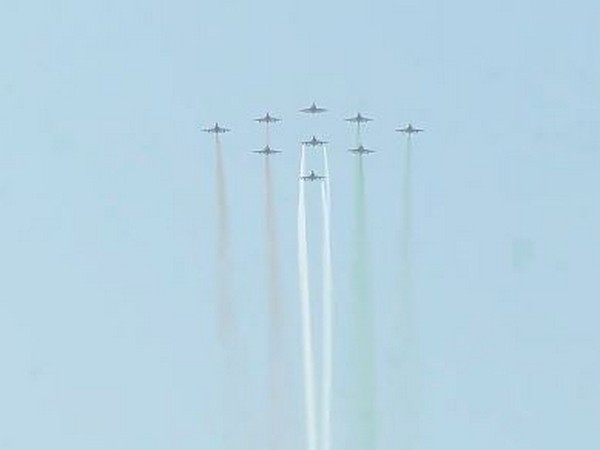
[
  {"x": 314, "y": 142},
  {"x": 267, "y": 151},
  {"x": 409, "y": 130},
  {"x": 361, "y": 150},
  {"x": 312, "y": 176},
  {"x": 216, "y": 129},
  {"x": 313, "y": 109},
  {"x": 267, "y": 118},
  {"x": 359, "y": 118}
]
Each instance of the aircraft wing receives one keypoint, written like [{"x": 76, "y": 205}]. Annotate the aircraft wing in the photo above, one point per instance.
[
  {"x": 313, "y": 110},
  {"x": 267, "y": 152}
]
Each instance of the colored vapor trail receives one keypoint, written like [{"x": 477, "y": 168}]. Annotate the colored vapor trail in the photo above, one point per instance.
[
  {"x": 225, "y": 310},
  {"x": 227, "y": 327},
  {"x": 268, "y": 133},
  {"x": 307, "y": 341},
  {"x": 407, "y": 222},
  {"x": 358, "y": 135},
  {"x": 278, "y": 430},
  {"x": 363, "y": 316},
  {"x": 327, "y": 286},
  {"x": 407, "y": 352}
]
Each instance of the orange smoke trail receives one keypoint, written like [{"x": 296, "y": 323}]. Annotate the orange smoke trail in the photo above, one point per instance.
[{"x": 225, "y": 310}]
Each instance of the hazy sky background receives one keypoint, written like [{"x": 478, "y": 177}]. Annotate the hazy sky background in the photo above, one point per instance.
[{"x": 107, "y": 314}]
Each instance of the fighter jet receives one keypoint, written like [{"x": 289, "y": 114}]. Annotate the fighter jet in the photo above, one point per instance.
[
  {"x": 267, "y": 118},
  {"x": 267, "y": 151},
  {"x": 361, "y": 150},
  {"x": 313, "y": 109},
  {"x": 314, "y": 142},
  {"x": 409, "y": 130},
  {"x": 359, "y": 118},
  {"x": 216, "y": 129},
  {"x": 312, "y": 177}
]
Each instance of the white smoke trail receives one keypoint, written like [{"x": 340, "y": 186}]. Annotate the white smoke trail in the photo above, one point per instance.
[
  {"x": 326, "y": 173},
  {"x": 327, "y": 349},
  {"x": 307, "y": 344}
]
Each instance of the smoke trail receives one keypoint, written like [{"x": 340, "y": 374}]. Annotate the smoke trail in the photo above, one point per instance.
[
  {"x": 363, "y": 315},
  {"x": 307, "y": 345},
  {"x": 407, "y": 222},
  {"x": 278, "y": 430},
  {"x": 327, "y": 350},
  {"x": 233, "y": 409},
  {"x": 268, "y": 133},
  {"x": 225, "y": 311},
  {"x": 358, "y": 135},
  {"x": 275, "y": 305},
  {"x": 407, "y": 342}
]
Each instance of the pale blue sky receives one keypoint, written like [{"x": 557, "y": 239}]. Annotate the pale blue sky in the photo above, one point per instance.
[{"x": 107, "y": 318}]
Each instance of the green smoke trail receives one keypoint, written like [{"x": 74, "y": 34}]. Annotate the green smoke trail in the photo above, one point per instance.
[
  {"x": 278, "y": 430},
  {"x": 363, "y": 345},
  {"x": 406, "y": 352},
  {"x": 275, "y": 305}
]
